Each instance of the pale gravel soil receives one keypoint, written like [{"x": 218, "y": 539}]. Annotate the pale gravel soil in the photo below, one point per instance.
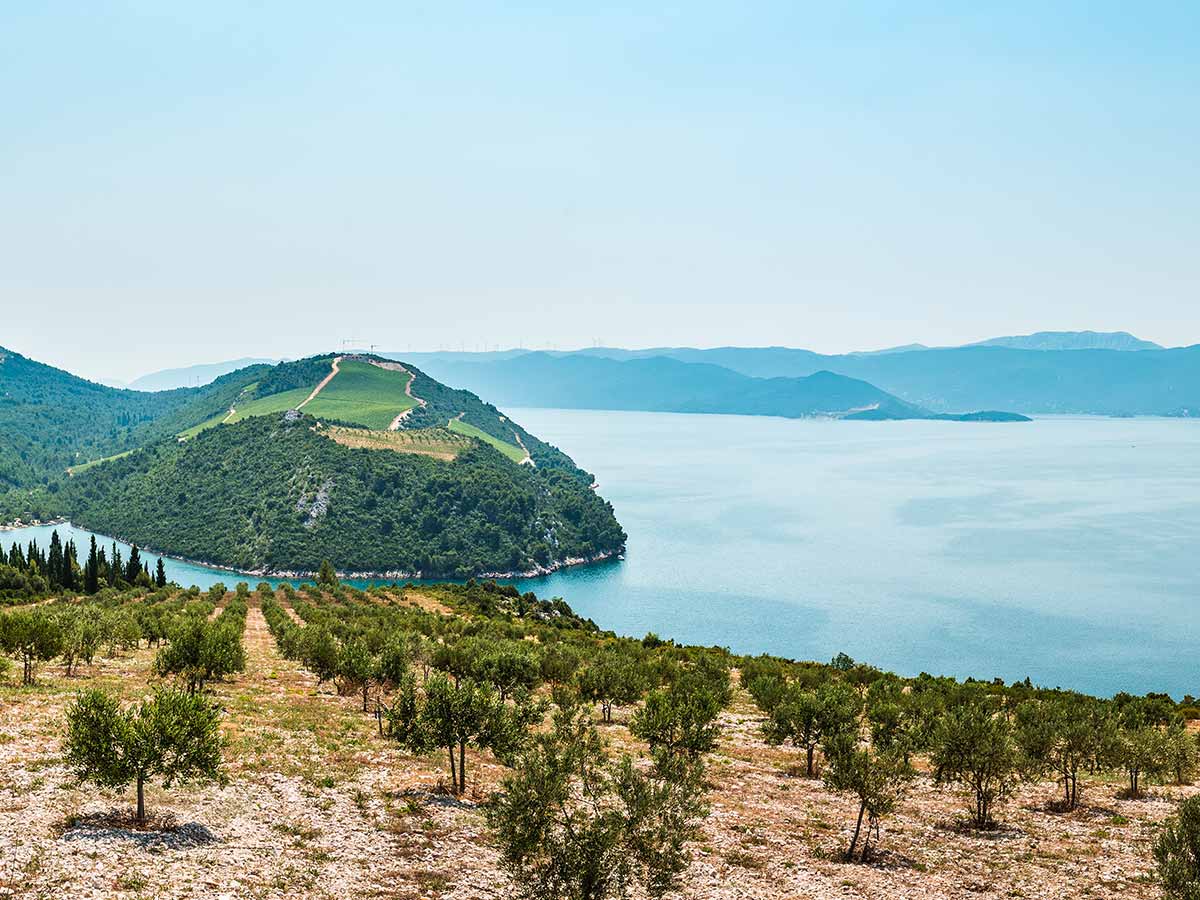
[{"x": 319, "y": 807}]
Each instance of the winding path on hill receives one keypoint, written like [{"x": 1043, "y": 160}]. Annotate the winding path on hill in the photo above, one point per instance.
[
  {"x": 324, "y": 381},
  {"x": 412, "y": 376},
  {"x": 528, "y": 460}
]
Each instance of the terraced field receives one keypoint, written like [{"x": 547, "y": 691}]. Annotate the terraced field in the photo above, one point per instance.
[
  {"x": 244, "y": 409},
  {"x": 439, "y": 443},
  {"x": 360, "y": 393},
  {"x": 356, "y": 392}
]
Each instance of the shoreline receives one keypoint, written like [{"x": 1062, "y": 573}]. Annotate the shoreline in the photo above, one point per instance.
[{"x": 289, "y": 574}]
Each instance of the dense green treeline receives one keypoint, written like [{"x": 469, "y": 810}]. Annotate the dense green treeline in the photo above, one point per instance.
[
  {"x": 30, "y": 572},
  {"x": 269, "y": 493}
]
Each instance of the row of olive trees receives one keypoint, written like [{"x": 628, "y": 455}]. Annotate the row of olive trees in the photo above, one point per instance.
[
  {"x": 75, "y": 631},
  {"x": 172, "y": 735},
  {"x": 572, "y": 819},
  {"x": 985, "y": 742}
]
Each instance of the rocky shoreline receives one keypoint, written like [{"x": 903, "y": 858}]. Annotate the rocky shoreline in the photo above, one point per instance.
[{"x": 17, "y": 524}]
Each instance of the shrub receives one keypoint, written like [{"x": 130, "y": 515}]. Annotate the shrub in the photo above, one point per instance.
[{"x": 1177, "y": 852}]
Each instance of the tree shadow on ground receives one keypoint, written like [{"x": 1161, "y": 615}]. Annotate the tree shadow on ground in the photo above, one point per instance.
[
  {"x": 998, "y": 831},
  {"x": 160, "y": 832},
  {"x": 440, "y": 795}
]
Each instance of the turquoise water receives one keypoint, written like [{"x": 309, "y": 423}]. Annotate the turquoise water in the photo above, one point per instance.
[{"x": 1066, "y": 549}]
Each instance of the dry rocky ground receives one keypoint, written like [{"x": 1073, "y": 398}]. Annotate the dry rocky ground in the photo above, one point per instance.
[{"x": 318, "y": 806}]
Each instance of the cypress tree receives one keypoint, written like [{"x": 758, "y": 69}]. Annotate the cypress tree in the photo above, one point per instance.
[
  {"x": 160, "y": 574},
  {"x": 54, "y": 562},
  {"x": 69, "y": 565},
  {"x": 134, "y": 565},
  {"x": 114, "y": 566},
  {"x": 91, "y": 572}
]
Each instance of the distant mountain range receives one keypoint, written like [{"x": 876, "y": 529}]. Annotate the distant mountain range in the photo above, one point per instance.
[
  {"x": 1072, "y": 340},
  {"x": 1158, "y": 382},
  {"x": 1085, "y": 372},
  {"x": 665, "y": 384},
  {"x": 192, "y": 376}
]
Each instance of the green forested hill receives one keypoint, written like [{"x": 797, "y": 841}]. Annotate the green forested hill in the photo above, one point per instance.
[
  {"x": 231, "y": 474},
  {"x": 271, "y": 493},
  {"x": 50, "y": 419}
]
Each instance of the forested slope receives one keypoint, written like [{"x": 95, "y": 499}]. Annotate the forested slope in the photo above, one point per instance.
[{"x": 270, "y": 493}]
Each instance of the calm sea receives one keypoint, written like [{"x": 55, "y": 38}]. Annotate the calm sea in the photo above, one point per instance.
[{"x": 1067, "y": 549}]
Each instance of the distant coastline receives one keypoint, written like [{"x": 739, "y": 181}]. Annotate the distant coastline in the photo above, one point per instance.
[{"x": 538, "y": 571}]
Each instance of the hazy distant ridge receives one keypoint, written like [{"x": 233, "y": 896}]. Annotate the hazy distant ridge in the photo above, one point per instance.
[
  {"x": 1072, "y": 340},
  {"x": 194, "y": 376}
]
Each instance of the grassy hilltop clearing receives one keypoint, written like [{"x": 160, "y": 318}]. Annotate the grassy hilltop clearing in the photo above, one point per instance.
[{"x": 363, "y": 461}]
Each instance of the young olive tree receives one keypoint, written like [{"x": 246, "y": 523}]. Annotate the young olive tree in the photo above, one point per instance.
[
  {"x": 807, "y": 718},
  {"x": 33, "y": 636},
  {"x": 878, "y": 778},
  {"x": 680, "y": 719},
  {"x": 200, "y": 651},
  {"x": 973, "y": 746},
  {"x": 452, "y": 716},
  {"x": 573, "y": 823},
  {"x": 615, "y": 679},
  {"x": 356, "y": 668},
  {"x": 1181, "y": 752},
  {"x": 173, "y": 735},
  {"x": 1059, "y": 737},
  {"x": 81, "y": 639},
  {"x": 1143, "y": 752}
]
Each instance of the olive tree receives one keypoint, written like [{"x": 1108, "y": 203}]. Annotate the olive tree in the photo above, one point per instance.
[
  {"x": 878, "y": 778},
  {"x": 33, "y": 636},
  {"x": 615, "y": 679},
  {"x": 1181, "y": 752},
  {"x": 200, "y": 651},
  {"x": 356, "y": 667},
  {"x": 680, "y": 719},
  {"x": 81, "y": 639},
  {"x": 806, "y": 718},
  {"x": 1058, "y": 737},
  {"x": 452, "y": 716},
  {"x": 973, "y": 746},
  {"x": 573, "y": 823},
  {"x": 1143, "y": 752},
  {"x": 173, "y": 735}
]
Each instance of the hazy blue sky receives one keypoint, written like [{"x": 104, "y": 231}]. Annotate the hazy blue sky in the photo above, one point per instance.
[{"x": 193, "y": 182}]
